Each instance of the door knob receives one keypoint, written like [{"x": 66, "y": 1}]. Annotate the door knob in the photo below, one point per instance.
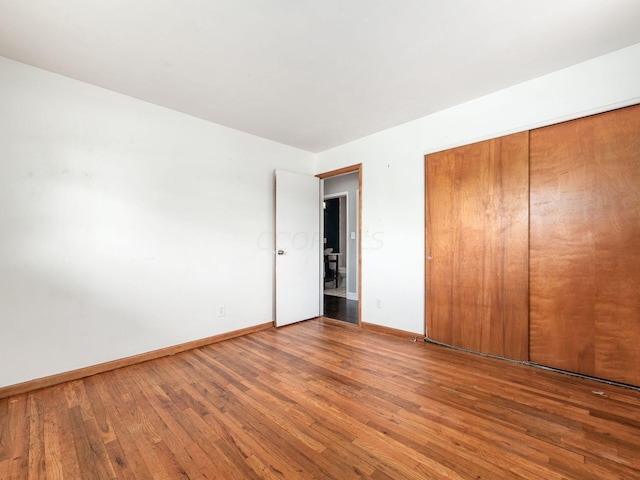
[{"x": 280, "y": 252}]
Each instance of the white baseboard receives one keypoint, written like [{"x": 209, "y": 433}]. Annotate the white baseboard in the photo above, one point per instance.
[{"x": 352, "y": 296}]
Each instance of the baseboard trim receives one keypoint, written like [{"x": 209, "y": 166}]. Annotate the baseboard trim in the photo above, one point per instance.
[
  {"x": 352, "y": 296},
  {"x": 390, "y": 331},
  {"x": 38, "y": 383}
]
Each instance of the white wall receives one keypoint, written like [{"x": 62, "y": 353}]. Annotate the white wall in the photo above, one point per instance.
[
  {"x": 393, "y": 169},
  {"x": 124, "y": 226}
]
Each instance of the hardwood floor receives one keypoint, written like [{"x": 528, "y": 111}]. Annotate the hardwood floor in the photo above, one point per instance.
[
  {"x": 340, "y": 308},
  {"x": 323, "y": 399}
]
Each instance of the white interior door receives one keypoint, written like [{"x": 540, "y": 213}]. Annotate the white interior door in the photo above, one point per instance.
[{"x": 297, "y": 242}]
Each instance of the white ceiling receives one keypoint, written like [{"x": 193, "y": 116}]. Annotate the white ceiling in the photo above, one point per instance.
[{"x": 311, "y": 74}]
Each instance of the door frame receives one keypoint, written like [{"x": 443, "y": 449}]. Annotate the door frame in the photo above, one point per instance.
[{"x": 334, "y": 173}]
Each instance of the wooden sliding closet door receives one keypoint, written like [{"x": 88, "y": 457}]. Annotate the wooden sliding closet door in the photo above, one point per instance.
[
  {"x": 477, "y": 246},
  {"x": 585, "y": 246}
]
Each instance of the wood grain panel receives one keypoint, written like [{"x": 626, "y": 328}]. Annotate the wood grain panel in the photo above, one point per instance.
[
  {"x": 477, "y": 246},
  {"x": 585, "y": 245}
]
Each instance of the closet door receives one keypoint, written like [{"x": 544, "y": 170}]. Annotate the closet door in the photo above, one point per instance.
[
  {"x": 585, "y": 246},
  {"x": 477, "y": 246}
]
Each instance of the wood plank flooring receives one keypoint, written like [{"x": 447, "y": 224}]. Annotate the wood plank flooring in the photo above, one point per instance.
[
  {"x": 323, "y": 399},
  {"x": 339, "y": 308}
]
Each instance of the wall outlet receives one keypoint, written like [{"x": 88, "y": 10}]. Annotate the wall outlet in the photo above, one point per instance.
[
  {"x": 222, "y": 310},
  {"x": 378, "y": 303}
]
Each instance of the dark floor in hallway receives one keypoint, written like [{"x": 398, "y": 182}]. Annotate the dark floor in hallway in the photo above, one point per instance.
[{"x": 340, "y": 308}]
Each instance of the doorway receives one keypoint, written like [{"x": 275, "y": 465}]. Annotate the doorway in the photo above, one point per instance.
[{"x": 341, "y": 244}]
